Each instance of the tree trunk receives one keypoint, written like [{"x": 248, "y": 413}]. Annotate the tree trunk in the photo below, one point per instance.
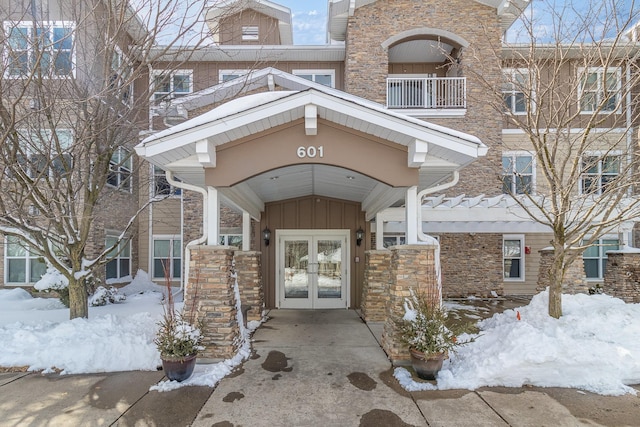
[
  {"x": 78, "y": 299},
  {"x": 556, "y": 276}
]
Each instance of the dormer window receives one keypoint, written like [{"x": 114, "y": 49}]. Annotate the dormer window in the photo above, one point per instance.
[{"x": 250, "y": 33}]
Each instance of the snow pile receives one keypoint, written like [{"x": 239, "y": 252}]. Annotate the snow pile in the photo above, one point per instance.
[
  {"x": 51, "y": 280},
  {"x": 594, "y": 346}
]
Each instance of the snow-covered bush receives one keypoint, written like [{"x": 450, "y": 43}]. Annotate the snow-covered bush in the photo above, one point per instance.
[
  {"x": 103, "y": 296},
  {"x": 55, "y": 281}
]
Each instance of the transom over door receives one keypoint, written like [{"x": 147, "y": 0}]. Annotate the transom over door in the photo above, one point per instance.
[{"x": 312, "y": 268}]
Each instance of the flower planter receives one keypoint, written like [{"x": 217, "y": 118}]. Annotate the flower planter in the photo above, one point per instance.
[
  {"x": 427, "y": 366},
  {"x": 179, "y": 369}
]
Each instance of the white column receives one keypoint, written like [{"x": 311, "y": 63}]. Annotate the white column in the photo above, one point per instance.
[
  {"x": 246, "y": 231},
  {"x": 411, "y": 215},
  {"x": 379, "y": 232},
  {"x": 213, "y": 217}
]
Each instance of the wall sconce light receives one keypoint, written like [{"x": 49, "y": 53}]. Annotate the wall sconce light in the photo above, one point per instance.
[
  {"x": 359, "y": 236},
  {"x": 266, "y": 235}
]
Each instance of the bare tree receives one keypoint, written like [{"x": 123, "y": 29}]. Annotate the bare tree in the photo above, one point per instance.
[
  {"x": 74, "y": 96},
  {"x": 570, "y": 87}
]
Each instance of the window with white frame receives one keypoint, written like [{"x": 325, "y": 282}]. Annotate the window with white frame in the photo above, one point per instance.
[
  {"x": 120, "y": 168},
  {"x": 169, "y": 85},
  {"x": 119, "y": 264},
  {"x": 518, "y": 173},
  {"x": 595, "y": 257},
  {"x": 45, "y": 153},
  {"x": 227, "y": 75},
  {"x": 513, "y": 257},
  {"x": 44, "y": 48},
  {"x": 22, "y": 264},
  {"x": 250, "y": 32},
  {"x": 599, "y": 89},
  {"x": 120, "y": 77},
  {"x": 161, "y": 186},
  {"x": 389, "y": 240},
  {"x": 598, "y": 171},
  {"x": 167, "y": 257},
  {"x": 231, "y": 240},
  {"x": 517, "y": 85},
  {"x": 324, "y": 77}
]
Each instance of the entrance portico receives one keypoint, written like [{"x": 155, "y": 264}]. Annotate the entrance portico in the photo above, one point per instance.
[{"x": 305, "y": 163}]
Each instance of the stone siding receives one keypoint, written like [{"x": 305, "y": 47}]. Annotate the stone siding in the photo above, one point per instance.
[
  {"x": 575, "y": 281},
  {"x": 412, "y": 267},
  {"x": 622, "y": 276},
  {"x": 471, "y": 264},
  {"x": 375, "y": 289},
  {"x": 210, "y": 296},
  {"x": 247, "y": 266},
  {"x": 367, "y": 67}
]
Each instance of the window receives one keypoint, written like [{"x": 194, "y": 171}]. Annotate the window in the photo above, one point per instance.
[
  {"x": 167, "y": 257},
  {"x": 227, "y": 75},
  {"x": 389, "y": 240},
  {"x": 231, "y": 240},
  {"x": 599, "y": 89},
  {"x": 324, "y": 77},
  {"x": 598, "y": 172},
  {"x": 517, "y": 173},
  {"x": 46, "y": 48},
  {"x": 595, "y": 257},
  {"x": 516, "y": 85},
  {"x": 45, "y": 153},
  {"x": 171, "y": 84},
  {"x": 160, "y": 185},
  {"x": 119, "y": 264},
  {"x": 120, "y": 78},
  {"x": 22, "y": 265},
  {"x": 512, "y": 255},
  {"x": 250, "y": 33},
  {"x": 120, "y": 170}
]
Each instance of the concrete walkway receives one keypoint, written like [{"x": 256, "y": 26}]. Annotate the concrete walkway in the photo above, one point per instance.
[{"x": 310, "y": 368}]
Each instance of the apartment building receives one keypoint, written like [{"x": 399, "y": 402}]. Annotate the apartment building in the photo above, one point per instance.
[{"x": 315, "y": 160}]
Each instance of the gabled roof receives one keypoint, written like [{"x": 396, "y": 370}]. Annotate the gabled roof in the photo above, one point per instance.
[
  {"x": 224, "y": 8},
  {"x": 190, "y": 147}
]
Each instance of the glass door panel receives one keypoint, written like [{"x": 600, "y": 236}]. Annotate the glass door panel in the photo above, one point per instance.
[
  {"x": 329, "y": 274},
  {"x": 296, "y": 262},
  {"x": 312, "y": 268}
]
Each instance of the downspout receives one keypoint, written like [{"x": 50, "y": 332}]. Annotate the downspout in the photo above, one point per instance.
[
  {"x": 423, "y": 237},
  {"x": 205, "y": 227},
  {"x": 454, "y": 180},
  {"x": 628, "y": 240}
]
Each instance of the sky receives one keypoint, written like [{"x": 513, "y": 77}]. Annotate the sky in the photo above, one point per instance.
[
  {"x": 310, "y": 16},
  {"x": 309, "y": 20},
  {"x": 594, "y": 346}
]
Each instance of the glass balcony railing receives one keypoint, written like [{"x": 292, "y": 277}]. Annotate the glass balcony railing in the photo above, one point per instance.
[{"x": 427, "y": 93}]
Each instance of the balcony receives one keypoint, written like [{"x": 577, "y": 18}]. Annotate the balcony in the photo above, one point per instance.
[{"x": 438, "y": 96}]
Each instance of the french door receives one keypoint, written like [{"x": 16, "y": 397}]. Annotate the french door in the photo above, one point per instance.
[{"x": 313, "y": 268}]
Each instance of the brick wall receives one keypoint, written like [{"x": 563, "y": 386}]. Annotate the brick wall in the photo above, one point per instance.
[{"x": 622, "y": 276}]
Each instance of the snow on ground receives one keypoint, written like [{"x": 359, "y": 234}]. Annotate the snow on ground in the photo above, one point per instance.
[{"x": 595, "y": 346}]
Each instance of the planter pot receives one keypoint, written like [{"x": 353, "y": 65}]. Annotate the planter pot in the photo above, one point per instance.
[
  {"x": 179, "y": 369},
  {"x": 427, "y": 366}
]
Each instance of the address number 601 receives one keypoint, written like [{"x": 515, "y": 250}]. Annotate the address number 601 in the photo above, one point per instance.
[{"x": 310, "y": 152}]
